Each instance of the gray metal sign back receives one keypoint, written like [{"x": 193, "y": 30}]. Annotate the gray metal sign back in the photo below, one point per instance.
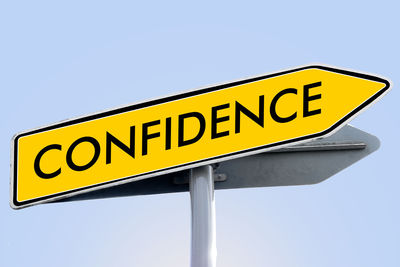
[{"x": 310, "y": 163}]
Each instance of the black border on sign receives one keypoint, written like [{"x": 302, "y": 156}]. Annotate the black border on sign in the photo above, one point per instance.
[{"x": 20, "y": 204}]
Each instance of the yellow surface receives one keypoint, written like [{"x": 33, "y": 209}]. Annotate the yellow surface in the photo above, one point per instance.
[{"x": 340, "y": 95}]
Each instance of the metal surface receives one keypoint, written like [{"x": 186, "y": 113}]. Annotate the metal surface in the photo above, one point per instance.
[
  {"x": 323, "y": 146},
  {"x": 299, "y": 166},
  {"x": 178, "y": 180},
  {"x": 203, "y": 247}
]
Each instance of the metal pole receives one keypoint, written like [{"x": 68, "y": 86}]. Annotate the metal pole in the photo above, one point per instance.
[{"x": 203, "y": 248}]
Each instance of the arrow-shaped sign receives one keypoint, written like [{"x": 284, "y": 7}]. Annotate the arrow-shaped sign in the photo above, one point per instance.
[{"x": 178, "y": 132}]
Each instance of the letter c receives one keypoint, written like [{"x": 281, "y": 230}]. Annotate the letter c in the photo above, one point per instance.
[
  {"x": 38, "y": 171},
  {"x": 274, "y": 115}
]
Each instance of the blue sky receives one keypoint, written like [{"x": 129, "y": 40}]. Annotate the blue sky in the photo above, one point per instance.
[{"x": 62, "y": 60}]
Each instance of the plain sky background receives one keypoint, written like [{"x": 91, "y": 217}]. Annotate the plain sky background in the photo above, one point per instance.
[{"x": 60, "y": 60}]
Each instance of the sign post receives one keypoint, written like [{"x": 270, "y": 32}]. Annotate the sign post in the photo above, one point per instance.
[
  {"x": 203, "y": 247},
  {"x": 190, "y": 131}
]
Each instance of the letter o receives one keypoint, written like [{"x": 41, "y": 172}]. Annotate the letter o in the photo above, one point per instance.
[{"x": 96, "y": 155}]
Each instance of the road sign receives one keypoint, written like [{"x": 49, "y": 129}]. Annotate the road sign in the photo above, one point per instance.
[
  {"x": 183, "y": 131},
  {"x": 308, "y": 163}
]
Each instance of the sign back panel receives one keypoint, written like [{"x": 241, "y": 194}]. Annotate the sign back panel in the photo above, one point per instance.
[
  {"x": 178, "y": 132},
  {"x": 273, "y": 168}
]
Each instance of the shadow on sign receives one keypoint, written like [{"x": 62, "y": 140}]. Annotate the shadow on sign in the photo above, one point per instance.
[{"x": 309, "y": 163}]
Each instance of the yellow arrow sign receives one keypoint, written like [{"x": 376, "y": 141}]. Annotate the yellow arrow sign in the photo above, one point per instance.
[{"x": 186, "y": 130}]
